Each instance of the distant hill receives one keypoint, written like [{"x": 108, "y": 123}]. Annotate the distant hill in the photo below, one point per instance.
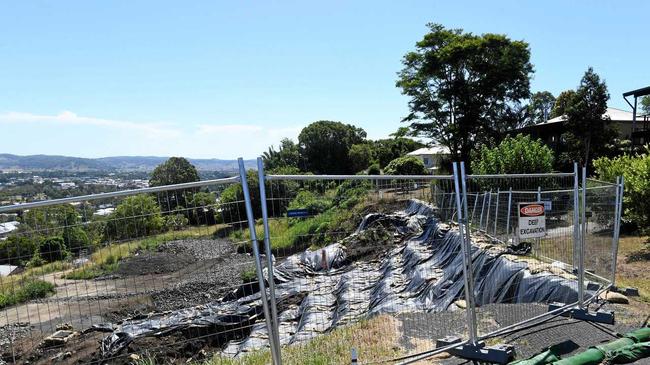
[{"x": 119, "y": 163}]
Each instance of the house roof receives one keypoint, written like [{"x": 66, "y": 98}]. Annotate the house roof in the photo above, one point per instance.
[
  {"x": 613, "y": 114},
  {"x": 433, "y": 150},
  {"x": 5, "y": 270}
]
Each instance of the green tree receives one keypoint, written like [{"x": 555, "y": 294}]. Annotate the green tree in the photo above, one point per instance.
[
  {"x": 325, "y": 146},
  {"x": 203, "y": 208},
  {"x": 288, "y": 155},
  {"x": 561, "y": 103},
  {"x": 645, "y": 105},
  {"x": 386, "y": 150},
  {"x": 361, "y": 156},
  {"x": 518, "y": 155},
  {"x": 587, "y": 127},
  {"x": 462, "y": 87},
  {"x": 176, "y": 170},
  {"x": 135, "y": 216},
  {"x": 407, "y": 165},
  {"x": 53, "y": 249},
  {"x": 541, "y": 104}
]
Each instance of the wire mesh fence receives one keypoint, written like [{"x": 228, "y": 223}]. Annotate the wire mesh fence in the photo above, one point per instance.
[
  {"x": 176, "y": 269},
  {"x": 350, "y": 248},
  {"x": 131, "y": 264}
]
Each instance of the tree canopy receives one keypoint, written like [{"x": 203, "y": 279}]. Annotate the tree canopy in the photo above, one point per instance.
[
  {"x": 325, "y": 146},
  {"x": 288, "y": 155},
  {"x": 407, "y": 165},
  {"x": 176, "y": 170},
  {"x": 540, "y": 106},
  {"x": 464, "y": 89},
  {"x": 514, "y": 155},
  {"x": 588, "y": 130},
  {"x": 645, "y": 104},
  {"x": 561, "y": 103}
]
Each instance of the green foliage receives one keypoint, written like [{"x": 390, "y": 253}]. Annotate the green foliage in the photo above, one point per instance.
[
  {"x": 386, "y": 150},
  {"x": 176, "y": 170},
  {"x": 306, "y": 199},
  {"x": 175, "y": 222},
  {"x": 33, "y": 289},
  {"x": 374, "y": 169},
  {"x": 75, "y": 238},
  {"x": 36, "y": 260},
  {"x": 636, "y": 172},
  {"x": 406, "y": 165},
  {"x": 53, "y": 249},
  {"x": 135, "y": 216},
  {"x": 288, "y": 155},
  {"x": 17, "y": 249},
  {"x": 248, "y": 275},
  {"x": 325, "y": 146},
  {"x": 541, "y": 104},
  {"x": 588, "y": 129},
  {"x": 360, "y": 155},
  {"x": 562, "y": 103},
  {"x": 446, "y": 73},
  {"x": 518, "y": 155},
  {"x": 203, "y": 208},
  {"x": 645, "y": 104}
]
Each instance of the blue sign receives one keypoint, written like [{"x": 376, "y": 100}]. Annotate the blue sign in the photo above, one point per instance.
[{"x": 293, "y": 213}]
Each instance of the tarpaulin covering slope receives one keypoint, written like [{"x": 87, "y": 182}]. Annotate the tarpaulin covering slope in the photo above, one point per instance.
[{"x": 420, "y": 269}]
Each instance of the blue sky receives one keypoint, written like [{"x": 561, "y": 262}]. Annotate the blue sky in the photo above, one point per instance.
[{"x": 227, "y": 79}]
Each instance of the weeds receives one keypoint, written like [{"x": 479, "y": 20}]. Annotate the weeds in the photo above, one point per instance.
[{"x": 29, "y": 290}]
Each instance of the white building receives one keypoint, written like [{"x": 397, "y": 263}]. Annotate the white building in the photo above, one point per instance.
[
  {"x": 432, "y": 157},
  {"x": 6, "y": 228}
]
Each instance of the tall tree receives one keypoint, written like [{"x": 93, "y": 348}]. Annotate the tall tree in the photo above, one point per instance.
[
  {"x": 462, "y": 87},
  {"x": 325, "y": 146},
  {"x": 561, "y": 103},
  {"x": 176, "y": 170},
  {"x": 288, "y": 155},
  {"x": 587, "y": 126},
  {"x": 541, "y": 104}
]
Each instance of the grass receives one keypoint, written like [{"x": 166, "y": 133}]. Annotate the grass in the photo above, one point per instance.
[
  {"x": 375, "y": 339},
  {"x": 633, "y": 274},
  {"x": 107, "y": 259},
  {"x": 32, "y": 289},
  {"x": 8, "y": 283}
]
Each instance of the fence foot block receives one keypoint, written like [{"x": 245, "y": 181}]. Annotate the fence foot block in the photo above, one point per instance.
[
  {"x": 600, "y": 316},
  {"x": 628, "y": 291},
  {"x": 500, "y": 354}
]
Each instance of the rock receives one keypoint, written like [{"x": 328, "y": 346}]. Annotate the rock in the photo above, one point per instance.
[
  {"x": 461, "y": 304},
  {"x": 64, "y": 327},
  {"x": 57, "y": 339},
  {"x": 134, "y": 357},
  {"x": 614, "y": 297}
]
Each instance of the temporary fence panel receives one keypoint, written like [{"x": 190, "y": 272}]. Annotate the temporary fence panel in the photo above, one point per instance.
[
  {"x": 526, "y": 234},
  {"x": 349, "y": 248},
  {"x": 125, "y": 267}
]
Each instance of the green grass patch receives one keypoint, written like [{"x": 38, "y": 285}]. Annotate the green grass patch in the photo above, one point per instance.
[{"x": 32, "y": 289}]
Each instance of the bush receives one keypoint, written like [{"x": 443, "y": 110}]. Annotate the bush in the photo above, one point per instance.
[
  {"x": 310, "y": 201},
  {"x": 175, "y": 222},
  {"x": 53, "y": 249},
  {"x": 135, "y": 216},
  {"x": 17, "y": 250},
  {"x": 29, "y": 290},
  {"x": 75, "y": 239},
  {"x": 374, "y": 169},
  {"x": 635, "y": 170},
  {"x": 360, "y": 155},
  {"x": 406, "y": 165},
  {"x": 518, "y": 155}
]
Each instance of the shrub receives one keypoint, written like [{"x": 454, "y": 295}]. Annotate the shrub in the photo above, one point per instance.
[
  {"x": 406, "y": 165},
  {"x": 518, "y": 155},
  {"x": 17, "y": 249},
  {"x": 636, "y": 172},
  {"x": 29, "y": 290},
  {"x": 175, "y": 222},
  {"x": 135, "y": 216},
  {"x": 360, "y": 155},
  {"x": 310, "y": 201},
  {"x": 374, "y": 169},
  {"x": 75, "y": 238},
  {"x": 53, "y": 249}
]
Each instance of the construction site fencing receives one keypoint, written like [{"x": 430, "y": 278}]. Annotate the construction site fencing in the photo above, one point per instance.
[
  {"x": 263, "y": 261},
  {"x": 124, "y": 267}
]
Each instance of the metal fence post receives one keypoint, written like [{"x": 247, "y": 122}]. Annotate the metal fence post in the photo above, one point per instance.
[
  {"x": 487, "y": 216},
  {"x": 617, "y": 224},
  {"x": 576, "y": 217},
  {"x": 258, "y": 263},
  {"x": 480, "y": 222},
  {"x": 509, "y": 207},
  {"x": 269, "y": 257},
  {"x": 466, "y": 248},
  {"x": 474, "y": 209},
  {"x": 496, "y": 212},
  {"x": 583, "y": 239}
]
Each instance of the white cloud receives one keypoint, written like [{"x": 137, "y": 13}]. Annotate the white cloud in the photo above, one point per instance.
[
  {"x": 69, "y": 118},
  {"x": 62, "y": 134}
]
